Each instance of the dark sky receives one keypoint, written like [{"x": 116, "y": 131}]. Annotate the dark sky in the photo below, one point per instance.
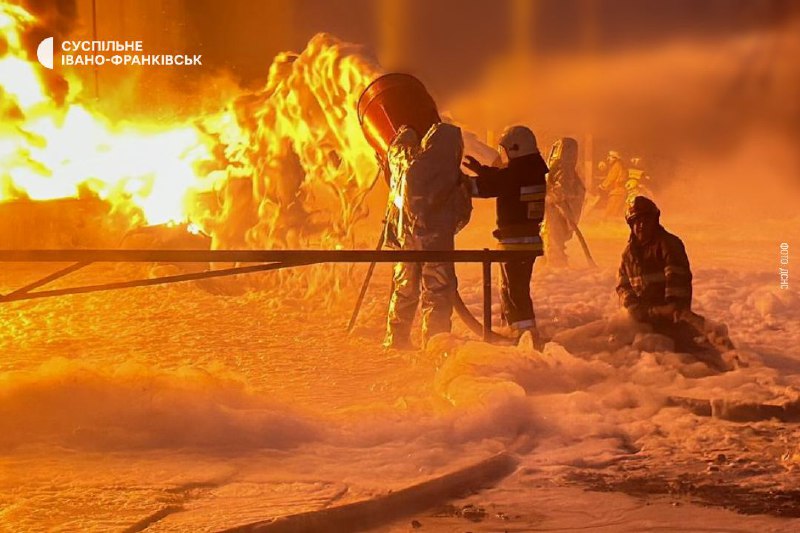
[
  {"x": 447, "y": 43},
  {"x": 448, "y": 40}
]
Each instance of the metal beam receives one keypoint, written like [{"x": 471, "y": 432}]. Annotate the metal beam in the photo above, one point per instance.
[
  {"x": 192, "y": 276},
  {"x": 44, "y": 281},
  {"x": 268, "y": 256}
]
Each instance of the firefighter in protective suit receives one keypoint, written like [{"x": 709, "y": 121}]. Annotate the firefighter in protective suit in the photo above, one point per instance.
[
  {"x": 425, "y": 178},
  {"x": 564, "y": 202},
  {"x": 614, "y": 185},
  {"x": 654, "y": 285},
  {"x": 638, "y": 179},
  {"x": 520, "y": 190}
]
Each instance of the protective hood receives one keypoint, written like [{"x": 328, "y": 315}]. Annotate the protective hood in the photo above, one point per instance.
[
  {"x": 429, "y": 178},
  {"x": 443, "y": 143},
  {"x": 565, "y": 151}
]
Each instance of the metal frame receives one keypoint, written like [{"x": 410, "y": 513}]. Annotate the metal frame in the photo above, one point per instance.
[{"x": 269, "y": 259}]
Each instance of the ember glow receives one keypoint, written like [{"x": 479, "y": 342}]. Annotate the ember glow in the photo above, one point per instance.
[{"x": 270, "y": 161}]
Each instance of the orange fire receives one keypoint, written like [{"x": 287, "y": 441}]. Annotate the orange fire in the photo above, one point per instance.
[
  {"x": 297, "y": 164},
  {"x": 52, "y": 151},
  {"x": 286, "y": 162}
]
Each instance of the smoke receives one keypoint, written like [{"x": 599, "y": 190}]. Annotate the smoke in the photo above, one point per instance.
[
  {"x": 52, "y": 18},
  {"x": 55, "y": 18},
  {"x": 716, "y": 122}
]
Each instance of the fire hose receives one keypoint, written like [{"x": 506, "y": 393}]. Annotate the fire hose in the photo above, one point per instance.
[
  {"x": 566, "y": 212},
  {"x": 472, "y": 323}
]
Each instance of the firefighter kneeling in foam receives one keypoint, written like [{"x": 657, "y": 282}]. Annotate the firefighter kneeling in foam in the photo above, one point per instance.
[
  {"x": 654, "y": 284},
  {"x": 520, "y": 191}
]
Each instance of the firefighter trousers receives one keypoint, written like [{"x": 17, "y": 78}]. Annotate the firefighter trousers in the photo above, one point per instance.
[
  {"x": 515, "y": 294},
  {"x": 557, "y": 231},
  {"x": 433, "y": 285}
]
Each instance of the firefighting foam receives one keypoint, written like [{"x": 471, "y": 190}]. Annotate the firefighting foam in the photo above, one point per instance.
[{"x": 161, "y": 403}]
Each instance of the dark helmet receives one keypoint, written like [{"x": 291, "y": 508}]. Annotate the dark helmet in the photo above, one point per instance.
[{"x": 639, "y": 207}]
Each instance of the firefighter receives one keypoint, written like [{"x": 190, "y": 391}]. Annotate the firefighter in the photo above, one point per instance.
[
  {"x": 654, "y": 285},
  {"x": 564, "y": 201},
  {"x": 638, "y": 178},
  {"x": 520, "y": 191},
  {"x": 425, "y": 177},
  {"x": 613, "y": 185}
]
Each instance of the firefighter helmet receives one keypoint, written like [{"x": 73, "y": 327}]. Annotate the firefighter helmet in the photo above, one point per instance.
[
  {"x": 639, "y": 207},
  {"x": 613, "y": 155},
  {"x": 518, "y": 141}
]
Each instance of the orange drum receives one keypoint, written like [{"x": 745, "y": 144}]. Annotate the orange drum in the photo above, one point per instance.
[{"x": 391, "y": 101}]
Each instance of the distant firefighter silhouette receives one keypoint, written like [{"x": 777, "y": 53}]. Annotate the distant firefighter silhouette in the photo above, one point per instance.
[
  {"x": 564, "y": 203},
  {"x": 613, "y": 185}
]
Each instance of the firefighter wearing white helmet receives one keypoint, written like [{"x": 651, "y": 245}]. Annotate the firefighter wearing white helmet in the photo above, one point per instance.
[
  {"x": 636, "y": 184},
  {"x": 518, "y": 141},
  {"x": 520, "y": 190}
]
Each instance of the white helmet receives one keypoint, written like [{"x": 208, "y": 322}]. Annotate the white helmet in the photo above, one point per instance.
[
  {"x": 613, "y": 154},
  {"x": 518, "y": 141}
]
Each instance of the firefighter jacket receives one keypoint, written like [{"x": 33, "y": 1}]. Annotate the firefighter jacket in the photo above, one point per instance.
[
  {"x": 655, "y": 273},
  {"x": 520, "y": 190}
]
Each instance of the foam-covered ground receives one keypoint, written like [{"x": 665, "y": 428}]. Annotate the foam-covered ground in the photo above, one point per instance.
[{"x": 203, "y": 406}]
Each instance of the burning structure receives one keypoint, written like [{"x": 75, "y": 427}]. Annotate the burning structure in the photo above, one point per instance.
[{"x": 210, "y": 406}]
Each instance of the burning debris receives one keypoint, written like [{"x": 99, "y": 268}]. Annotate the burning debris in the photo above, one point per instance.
[
  {"x": 179, "y": 409},
  {"x": 299, "y": 143},
  {"x": 281, "y": 166}
]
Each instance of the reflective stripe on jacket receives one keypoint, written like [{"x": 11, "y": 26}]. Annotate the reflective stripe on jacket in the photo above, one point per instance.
[
  {"x": 520, "y": 243},
  {"x": 655, "y": 273},
  {"x": 520, "y": 189}
]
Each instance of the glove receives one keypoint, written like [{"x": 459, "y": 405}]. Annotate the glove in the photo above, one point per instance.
[
  {"x": 667, "y": 311},
  {"x": 405, "y": 137},
  {"x": 638, "y": 312},
  {"x": 557, "y": 196},
  {"x": 473, "y": 164}
]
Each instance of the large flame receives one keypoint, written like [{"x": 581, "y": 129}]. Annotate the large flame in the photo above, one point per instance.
[
  {"x": 299, "y": 147},
  {"x": 49, "y": 150},
  {"x": 289, "y": 160}
]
